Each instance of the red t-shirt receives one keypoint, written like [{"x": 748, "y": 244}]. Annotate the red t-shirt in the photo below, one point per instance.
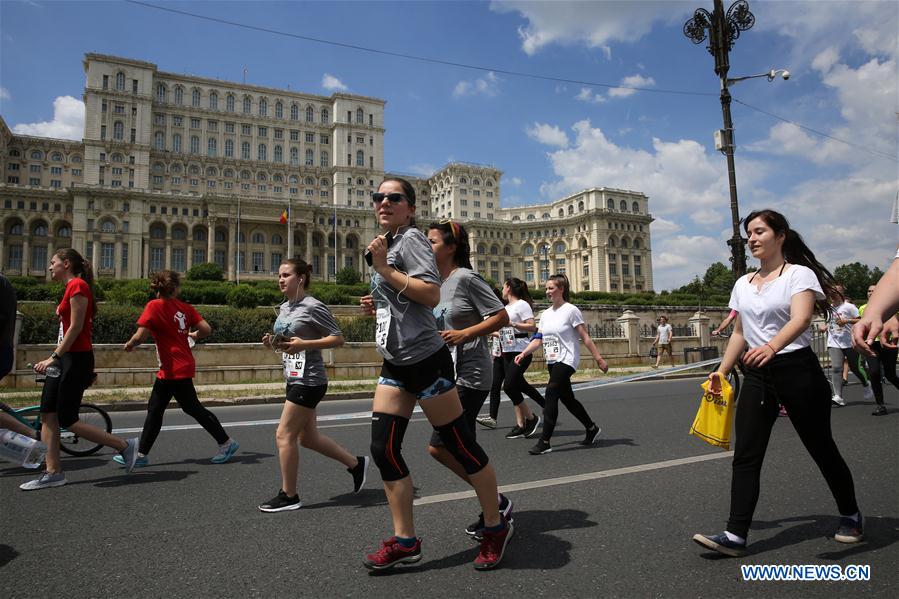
[
  {"x": 75, "y": 287},
  {"x": 170, "y": 320}
]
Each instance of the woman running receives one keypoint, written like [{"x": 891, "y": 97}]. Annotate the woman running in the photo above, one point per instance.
[
  {"x": 839, "y": 345},
  {"x": 170, "y": 321},
  {"x": 73, "y": 360},
  {"x": 560, "y": 332},
  {"x": 304, "y": 328},
  {"x": 514, "y": 338},
  {"x": 468, "y": 310},
  {"x": 775, "y": 306},
  {"x": 417, "y": 367},
  {"x": 499, "y": 374},
  {"x": 882, "y": 362}
]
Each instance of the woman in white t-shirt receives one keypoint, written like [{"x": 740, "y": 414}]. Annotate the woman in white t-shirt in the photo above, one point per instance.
[
  {"x": 839, "y": 345},
  {"x": 560, "y": 331},
  {"x": 774, "y": 310}
]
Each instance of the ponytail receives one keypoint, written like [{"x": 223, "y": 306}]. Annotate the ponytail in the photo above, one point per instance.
[
  {"x": 82, "y": 269},
  {"x": 300, "y": 269},
  {"x": 520, "y": 290}
]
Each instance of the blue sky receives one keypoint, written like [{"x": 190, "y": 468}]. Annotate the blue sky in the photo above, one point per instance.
[{"x": 549, "y": 138}]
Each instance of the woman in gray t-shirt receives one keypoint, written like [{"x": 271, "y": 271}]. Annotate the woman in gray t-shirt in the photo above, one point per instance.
[
  {"x": 304, "y": 328},
  {"x": 417, "y": 367}
]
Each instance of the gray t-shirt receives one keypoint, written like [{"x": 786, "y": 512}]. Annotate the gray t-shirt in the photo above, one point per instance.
[
  {"x": 466, "y": 300},
  {"x": 407, "y": 331},
  {"x": 7, "y": 312},
  {"x": 307, "y": 318}
]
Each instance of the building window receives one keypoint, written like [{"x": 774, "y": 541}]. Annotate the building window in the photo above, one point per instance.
[
  {"x": 247, "y": 105},
  {"x": 159, "y": 140},
  {"x": 262, "y": 153},
  {"x": 360, "y": 116},
  {"x": 211, "y": 147},
  {"x": 120, "y": 81},
  {"x": 107, "y": 256},
  {"x": 229, "y": 103},
  {"x": 105, "y": 81},
  {"x": 178, "y": 259},
  {"x": 199, "y": 256},
  {"x": 360, "y": 158},
  {"x": 229, "y": 148},
  {"x": 219, "y": 258},
  {"x": 309, "y": 157},
  {"x": 278, "y": 154},
  {"x": 118, "y": 130},
  {"x": 157, "y": 259},
  {"x": 310, "y": 114},
  {"x": 179, "y": 95},
  {"x": 176, "y": 142},
  {"x": 194, "y": 144},
  {"x": 326, "y": 117},
  {"x": 245, "y": 150}
]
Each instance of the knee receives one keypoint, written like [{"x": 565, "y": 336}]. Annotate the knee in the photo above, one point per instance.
[
  {"x": 387, "y": 432},
  {"x": 459, "y": 441},
  {"x": 434, "y": 452},
  {"x": 308, "y": 440},
  {"x": 285, "y": 437}
]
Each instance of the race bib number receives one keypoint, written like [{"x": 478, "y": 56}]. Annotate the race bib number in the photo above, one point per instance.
[
  {"x": 495, "y": 348},
  {"x": 59, "y": 337},
  {"x": 552, "y": 348},
  {"x": 382, "y": 317},
  {"x": 294, "y": 365},
  {"x": 507, "y": 337}
]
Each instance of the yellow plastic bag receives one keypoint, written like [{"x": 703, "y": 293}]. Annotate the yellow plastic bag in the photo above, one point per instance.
[{"x": 714, "y": 419}]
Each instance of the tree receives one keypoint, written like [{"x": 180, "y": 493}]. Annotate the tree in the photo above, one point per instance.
[
  {"x": 718, "y": 279},
  {"x": 206, "y": 271},
  {"x": 856, "y": 277},
  {"x": 348, "y": 276}
]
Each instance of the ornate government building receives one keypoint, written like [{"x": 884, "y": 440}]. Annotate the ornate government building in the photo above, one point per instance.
[{"x": 177, "y": 170}]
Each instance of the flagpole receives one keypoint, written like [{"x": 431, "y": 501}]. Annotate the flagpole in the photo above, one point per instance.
[
  {"x": 335, "y": 239},
  {"x": 237, "y": 243},
  {"x": 289, "y": 232}
]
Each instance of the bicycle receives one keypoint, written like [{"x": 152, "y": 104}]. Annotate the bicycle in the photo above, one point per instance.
[{"x": 70, "y": 443}]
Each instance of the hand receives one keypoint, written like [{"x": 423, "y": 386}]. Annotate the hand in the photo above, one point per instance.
[
  {"x": 128, "y": 347},
  {"x": 715, "y": 379},
  {"x": 294, "y": 346},
  {"x": 41, "y": 367},
  {"x": 367, "y": 304},
  {"x": 453, "y": 337},
  {"x": 519, "y": 358},
  {"x": 195, "y": 335},
  {"x": 841, "y": 322},
  {"x": 603, "y": 365},
  {"x": 715, "y": 333},
  {"x": 378, "y": 249},
  {"x": 890, "y": 333},
  {"x": 758, "y": 356},
  {"x": 267, "y": 340}
]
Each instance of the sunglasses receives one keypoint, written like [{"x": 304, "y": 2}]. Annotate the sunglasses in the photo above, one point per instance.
[
  {"x": 454, "y": 227},
  {"x": 393, "y": 198}
]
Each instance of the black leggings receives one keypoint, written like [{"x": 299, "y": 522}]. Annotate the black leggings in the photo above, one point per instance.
[
  {"x": 796, "y": 381},
  {"x": 499, "y": 375},
  {"x": 886, "y": 359},
  {"x": 515, "y": 382},
  {"x": 184, "y": 393},
  {"x": 559, "y": 389}
]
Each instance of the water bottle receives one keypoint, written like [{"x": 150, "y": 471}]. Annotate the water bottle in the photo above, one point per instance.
[
  {"x": 21, "y": 449},
  {"x": 53, "y": 370}
]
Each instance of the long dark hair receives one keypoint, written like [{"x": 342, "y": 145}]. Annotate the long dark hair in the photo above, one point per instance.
[
  {"x": 82, "y": 269},
  {"x": 520, "y": 290},
  {"x": 455, "y": 234},
  {"x": 300, "y": 269},
  {"x": 796, "y": 252},
  {"x": 562, "y": 281}
]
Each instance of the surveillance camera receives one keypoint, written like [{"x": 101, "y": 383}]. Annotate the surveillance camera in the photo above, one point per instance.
[{"x": 785, "y": 74}]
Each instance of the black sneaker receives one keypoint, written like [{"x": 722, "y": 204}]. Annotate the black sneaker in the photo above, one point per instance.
[
  {"x": 540, "y": 448},
  {"x": 505, "y": 508},
  {"x": 531, "y": 426},
  {"x": 359, "y": 472},
  {"x": 879, "y": 411},
  {"x": 721, "y": 544},
  {"x": 592, "y": 435},
  {"x": 516, "y": 433},
  {"x": 850, "y": 530},
  {"x": 281, "y": 503}
]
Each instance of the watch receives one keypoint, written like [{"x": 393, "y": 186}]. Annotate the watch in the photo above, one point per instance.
[{"x": 54, "y": 356}]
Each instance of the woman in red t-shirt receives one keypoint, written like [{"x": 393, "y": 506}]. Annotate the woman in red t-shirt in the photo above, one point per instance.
[
  {"x": 71, "y": 370},
  {"x": 170, "y": 321}
]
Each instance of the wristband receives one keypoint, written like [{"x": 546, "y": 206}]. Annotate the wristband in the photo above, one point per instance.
[
  {"x": 771, "y": 348},
  {"x": 537, "y": 336}
]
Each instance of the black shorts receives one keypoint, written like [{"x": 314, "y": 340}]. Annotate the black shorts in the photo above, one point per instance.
[
  {"x": 62, "y": 395},
  {"x": 6, "y": 356},
  {"x": 432, "y": 376},
  {"x": 472, "y": 402},
  {"x": 308, "y": 397}
]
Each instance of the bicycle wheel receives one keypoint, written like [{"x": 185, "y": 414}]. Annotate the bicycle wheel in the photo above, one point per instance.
[{"x": 90, "y": 414}]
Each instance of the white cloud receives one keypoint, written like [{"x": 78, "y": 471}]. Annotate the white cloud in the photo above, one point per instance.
[
  {"x": 514, "y": 181},
  {"x": 488, "y": 85},
  {"x": 4, "y": 94},
  {"x": 422, "y": 169},
  {"x": 67, "y": 123},
  {"x": 594, "y": 24},
  {"x": 332, "y": 83},
  {"x": 586, "y": 95},
  {"x": 629, "y": 83},
  {"x": 549, "y": 135}
]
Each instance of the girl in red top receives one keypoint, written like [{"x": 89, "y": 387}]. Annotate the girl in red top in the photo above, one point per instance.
[
  {"x": 170, "y": 321},
  {"x": 71, "y": 370}
]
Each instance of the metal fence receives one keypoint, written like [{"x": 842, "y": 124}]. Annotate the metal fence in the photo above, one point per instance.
[{"x": 605, "y": 331}]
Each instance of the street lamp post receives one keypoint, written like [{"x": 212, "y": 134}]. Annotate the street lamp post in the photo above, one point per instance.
[
  {"x": 545, "y": 263},
  {"x": 723, "y": 30}
]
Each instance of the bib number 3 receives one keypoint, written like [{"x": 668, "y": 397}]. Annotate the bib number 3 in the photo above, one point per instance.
[
  {"x": 382, "y": 317},
  {"x": 507, "y": 335},
  {"x": 552, "y": 348},
  {"x": 294, "y": 365}
]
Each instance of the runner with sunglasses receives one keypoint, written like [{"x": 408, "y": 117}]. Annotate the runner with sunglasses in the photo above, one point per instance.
[
  {"x": 468, "y": 310},
  {"x": 304, "y": 328},
  {"x": 418, "y": 367}
]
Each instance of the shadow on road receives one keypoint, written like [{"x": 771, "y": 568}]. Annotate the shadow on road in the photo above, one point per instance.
[
  {"x": 7, "y": 554},
  {"x": 362, "y": 499},
  {"x": 138, "y": 478},
  {"x": 241, "y": 457},
  {"x": 531, "y": 547},
  {"x": 70, "y": 464},
  {"x": 576, "y": 445}
]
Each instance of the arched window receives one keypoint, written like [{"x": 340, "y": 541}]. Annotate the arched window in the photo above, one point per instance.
[
  {"x": 360, "y": 158},
  {"x": 157, "y": 232},
  {"x": 635, "y": 207},
  {"x": 120, "y": 81},
  {"x": 245, "y": 150},
  {"x": 531, "y": 217},
  {"x": 247, "y": 104},
  {"x": 325, "y": 162},
  {"x": 229, "y": 148},
  {"x": 610, "y": 204},
  {"x": 160, "y": 93},
  {"x": 228, "y": 173},
  {"x": 279, "y": 110},
  {"x": 263, "y": 107},
  {"x": 277, "y": 239},
  {"x": 195, "y": 98},
  {"x": 56, "y": 157},
  {"x": 623, "y": 206},
  {"x": 261, "y": 177},
  {"x": 37, "y": 155},
  {"x": 561, "y": 212},
  {"x": 118, "y": 130},
  {"x": 475, "y": 181},
  {"x": 612, "y": 242},
  {"x": 220, "y": 236},
  {"x": 262, "y": 152},
  {"x": 279, "y": 154},
  {"x": 64, "y": 231},
  {"x": 199, "y": 234},
  {"x": 360, "y": 116},
  {"x": 158, "y": 167},
  {"x": 258, "y": 237},
  {"x": 310, "y": 114},
  {"x": 245, "y": 175},
  {"x": 545, "y": 216},
  {"x": 179, "y": 95},
  {"x": 636, "y": 244},
  {"x": 176, "y": 142},
  {"x": 194, "y": 144},
  {"x": 211, "y": 147},
  {"x": 494, "y": 250},
  {"x": 571, "y": 209},
  {"x": 213, "y": 101},
  {"x": 15, "y": 228},
  {"x": 326, "y": 117},
  {"x": 325, "y": 182},
  {"x": 463, "y": 180},
  {"x": 229, "y": 103},
  {"x": 194, "y": 169},
  {"x": 580, "y": 206},
  {"x": 211, "y": 171},
  {"x": 107, "y": 226},
  {"x": 40, "y": 230},
  {"x": 308, "y": 181},
  {"x": 528, "y": 250},
  {"x": 507, "y": 251},
  {"x": 159, "y": 140},
  {"x": 560, "y": 247},
  {"x": 294, "y": 112},
  {"x": 360, "y": 181},
  {"x": 179, "y": 233},
  {"x": 294, "y": 179},
  {"x": 118, "y": 158},
  {"x": 294, "y": 156}
]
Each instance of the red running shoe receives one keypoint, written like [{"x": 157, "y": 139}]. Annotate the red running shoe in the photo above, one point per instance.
[
  {"x": 493, "y": 547},
  {"x": 392, "y": 553}
]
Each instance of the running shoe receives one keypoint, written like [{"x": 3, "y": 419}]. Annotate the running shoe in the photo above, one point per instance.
[
  {"x": 45, "y": 481},
  {"x": 486, "y": 421},
  {"x": 531, "y": 426},
  {"x": 722, "y": 544},
  {"x": 868, "y": 393},
  {"x": 838, "y": 400},
  {"x": 850, "y": 530},
  {"x": 592, "y": 435},
  {"x": 281, "y": 503},
  {"x": 225, "y": 452},
  {"x": 493, "y": 546},
  {"x": 540, "y": 448},
  {"x": 359, "y": 472},
  {"x": 517, "y": 432},
  {"x": 880, "y": 410},
  {"x": 505, "y": 509},
  {"x": 142, "y": 461},
  {"x": 129, "y": 454},
  {"x": 392, "y": 554},
  {"x": 845, "y": 382}
]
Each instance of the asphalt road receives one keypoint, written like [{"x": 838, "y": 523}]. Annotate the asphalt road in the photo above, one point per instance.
[{"x": 184, "y": 527}]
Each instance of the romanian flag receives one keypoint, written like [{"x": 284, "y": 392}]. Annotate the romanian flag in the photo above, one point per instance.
[{"x": 284, "y": 217}]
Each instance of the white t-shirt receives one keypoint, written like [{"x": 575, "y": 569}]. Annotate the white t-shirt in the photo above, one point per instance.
[
  {"x": 511, "y": 339},
  {"x": 664, "y": 334},
  {"x": 764, "y": 313},
  {"x": 558, "y": 329},
  {"x": 841, "y": 336}
]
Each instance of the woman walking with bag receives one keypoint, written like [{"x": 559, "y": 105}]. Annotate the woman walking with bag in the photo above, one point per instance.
[
  {"x": 775, "y": 306},
  {"x": 560, "y": 332},
  {"x": 170, "y": 321}
]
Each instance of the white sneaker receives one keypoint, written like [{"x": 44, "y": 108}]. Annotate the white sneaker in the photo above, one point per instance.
[
  {"x": 45, "y": 481},
  {"x": 838, "y": 400},
  {"x": 486, "y": 421},
  {"x": 868, "y": 394}
]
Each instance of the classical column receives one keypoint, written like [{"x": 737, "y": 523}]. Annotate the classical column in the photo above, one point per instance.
[
  {"x": 210, "y": 240},
  {"x": 145, "y": 258},
  {"x": 168, "y": 254},
  {"x": 117, "y": 259},
  {"x": 26, "y": 257},
  {"x": 308, "y": 253},
  {"x": 232, "y": 254},
  {"x": 189, "y": 259}
]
